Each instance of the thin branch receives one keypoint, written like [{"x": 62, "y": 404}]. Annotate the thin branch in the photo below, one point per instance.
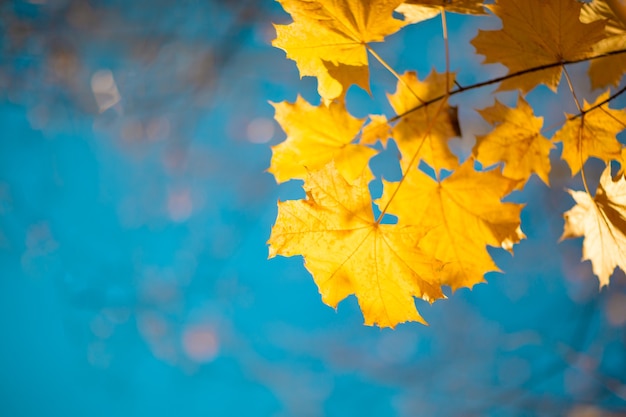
[
  {"x": 503, "y": 78},
  {"x": 603, "y": 102},
  {"x": 585, "y": 111},
  {"x": 611, "y": 116}
]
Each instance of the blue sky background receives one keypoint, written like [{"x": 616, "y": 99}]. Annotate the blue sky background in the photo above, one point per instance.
[{"x": 135, "y": 207}]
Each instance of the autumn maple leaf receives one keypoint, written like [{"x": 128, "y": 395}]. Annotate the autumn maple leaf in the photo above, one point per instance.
[
  {"x": 328, "y": 39},
  {"x": 602, "y": 222},
  {"x": 516, "y": 140},
  {"x": 536, "y": 33},
  {"x": 592, "y": 134},
  {"x": 427, "y": 129},
  {"x": 348, "y": 252},
  {"x": 464, "y": 213},
  {"x": 317, "y": 135}
]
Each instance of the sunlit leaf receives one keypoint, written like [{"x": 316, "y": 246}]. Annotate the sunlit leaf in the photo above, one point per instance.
[
  {"x": 593, "y": 134},
  {"x": 463, "y": 213},
  {"x": 602, "y": 222},
  {"x": 328, "y": 39},
  {"x": 317, "y": 135},
  {"x": 515, "y": 140},
  {"x": 536, "y": 33},
  {"x": 348, "y": 252}
]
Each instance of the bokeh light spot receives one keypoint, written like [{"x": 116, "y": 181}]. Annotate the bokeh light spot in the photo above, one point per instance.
[
  {"x": 200, "y": 343},
  {"x": 260, "y": 130}
]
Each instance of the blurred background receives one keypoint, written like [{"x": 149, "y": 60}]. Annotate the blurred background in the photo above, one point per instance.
[{"x": 135, "y": 207}]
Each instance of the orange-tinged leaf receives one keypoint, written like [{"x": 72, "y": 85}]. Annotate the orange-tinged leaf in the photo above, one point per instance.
[
  {"x": 593, "y": 134},
  {"x": 536, "y": 33},
  {"x": 347, "y": 252},
  {"x": 428, "y": 129},
  {"x": 602, "y": 222},
  {"x": 316, "y": 136},
  {"x": 464, "y": 213},
  {"x": 515, "y": 140},
  {"x": 328, "y": 39},
  {"x": 416, "y": 11},
  {"x": 609, "y": 70}
]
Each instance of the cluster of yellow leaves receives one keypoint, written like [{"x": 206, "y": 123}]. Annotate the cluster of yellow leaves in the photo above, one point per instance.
[{"x": 445, "y": 221}]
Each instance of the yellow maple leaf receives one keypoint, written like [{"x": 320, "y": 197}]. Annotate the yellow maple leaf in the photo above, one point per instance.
[
  {"x": 348, "y": 252},
  {"x": 602, "y": 222},
  {"x": 536, "y": 33},
  {"x": 317, "y": 135},
  {"x": 463, "y": 213},
  {"x": 377, "y": 129},
  {"x": 609, "y": 70},
  {"x": 428, "y": 129},
  {"x": 593, "y": 134},
  {"x": 328, "y": 39},
  {"x": 516, "y": 140},
  {"x": 416, "y": 11}
]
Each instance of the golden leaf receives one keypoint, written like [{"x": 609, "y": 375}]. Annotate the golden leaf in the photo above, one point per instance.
[
  {"x": 593, "y": 134},
  {"x": 536, "y": 33},
  {"x": 328, "y": 39},
  {"x": 416, "y": 11},
  {"x": 463, "y": 213},
  {"x": 602, "y": 222},
  {"x": 428, "y": 129},
  {"x": 609, "y": 70},
  {"x": 516, "y": 140},
  {"x": 377, "y": 129},
  {"x": 348, "y": 252},
  {"x": 316, "y": 136}
]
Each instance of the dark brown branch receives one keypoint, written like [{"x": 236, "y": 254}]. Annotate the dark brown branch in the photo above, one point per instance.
[
  {"x": 509, "y": 76},
  {"x": 595, "y": 106}
]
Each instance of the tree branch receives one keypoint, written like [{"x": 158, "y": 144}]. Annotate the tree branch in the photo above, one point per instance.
[
  {"x": 603, "y": 102},
  {"x": 506, "y": 77}
]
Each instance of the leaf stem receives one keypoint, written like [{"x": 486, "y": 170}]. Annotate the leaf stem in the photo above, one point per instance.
[
  {"x": 443, "y": 99},
  {"x": 580, "y": 130},
  {"x": 461, "y": 89},
  {"x": 571, "y": 89},
  {"x": 392, "y": 71},
  {"x": 429, "y": 127}
]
